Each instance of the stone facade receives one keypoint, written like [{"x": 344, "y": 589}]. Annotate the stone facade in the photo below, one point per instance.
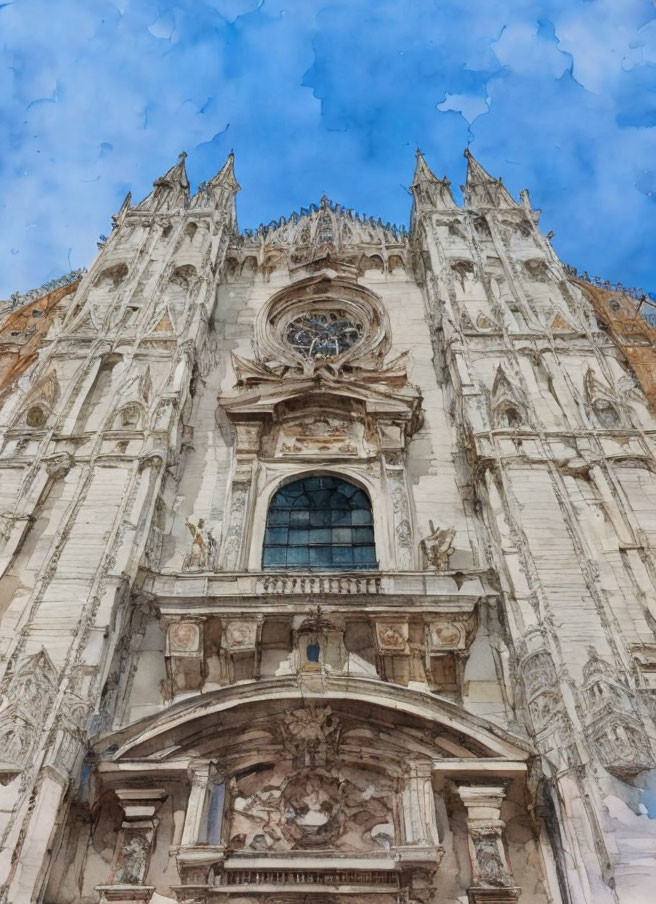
[{"x": 328, "y": 565}]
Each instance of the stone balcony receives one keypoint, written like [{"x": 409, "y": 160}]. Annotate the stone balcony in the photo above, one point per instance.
[
  {"x": 399, "y": 626},
  {"x": 207, "y": 591}
]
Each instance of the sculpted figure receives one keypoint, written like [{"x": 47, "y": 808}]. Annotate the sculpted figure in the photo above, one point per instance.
[
  {"x": 202, "y": 546},
  {"x": 437, "y": 547}
]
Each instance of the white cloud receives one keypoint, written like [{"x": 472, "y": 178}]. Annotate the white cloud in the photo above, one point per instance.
[{"x": 468, "y": 105}]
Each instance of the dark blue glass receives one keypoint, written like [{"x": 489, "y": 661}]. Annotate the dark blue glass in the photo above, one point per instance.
[{"x": 319, "y": 523}]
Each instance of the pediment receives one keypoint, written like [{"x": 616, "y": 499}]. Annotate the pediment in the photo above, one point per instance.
[
  {"x": 270, "y": 398},
  {"x": 248, "y": 722}
]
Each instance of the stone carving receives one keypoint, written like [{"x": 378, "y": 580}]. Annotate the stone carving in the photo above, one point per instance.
[
  {"x": 134, "y": 859},
  {"x": 447, "y": 634},
  {"x": 602, "y": 400},
  {"x": 283, "y": 809},
  {"x": 537, "y": 269},
  {"x": 59, "y": 465},
  {"x": 612, "y": 720},
  {"x": 320, "y": 434},
  {"x": 136, "y": 838},
  {"x": 232, "y": 545},
  {"x": 483, "y": 322},
  {"x": 184, "y": 637},
  {"x": 506, "y": 402},
  {"x": 16, "y": 736},
  {"x": 538, "y": 673},
  {"x": 311, "y": 730},
  {"x": 402, "y": 528},
  {"x": 201, "y": 552},
  {"x": 240, "y": 634},
  {"x": 391, "y": 637},
  {"x": 29, "y": 695},
  {"x": 491, "y": 868},
  {"x": 463, "y": 269},
  {"x": 437, "y": 548}
]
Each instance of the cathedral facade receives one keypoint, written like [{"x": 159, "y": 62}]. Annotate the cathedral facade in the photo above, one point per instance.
[{"x": 327, "y": 564}]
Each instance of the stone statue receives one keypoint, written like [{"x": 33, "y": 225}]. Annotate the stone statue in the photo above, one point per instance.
[
  {"x": 203, "y": 546},
  {"x": 437, "y": 548}
]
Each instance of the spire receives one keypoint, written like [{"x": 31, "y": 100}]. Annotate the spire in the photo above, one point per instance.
[
  {"x": 226, "y": 176},
  {"x": 170, "y": 190},
  {"x": 481, "y": 190},
  {"x": 220, "y": 191},
  {"x": 428, "y": 191}
]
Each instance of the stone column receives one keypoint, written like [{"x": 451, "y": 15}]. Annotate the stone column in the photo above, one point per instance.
[
  {"x": 421, "y": 852},
  {"x": 419, "y": 818},
  {"x": 491, "y": 876},
  {"x": 200, "y": 774},
  {"x": 194, "y": 858},
  {"x": 134, "y": 847}
]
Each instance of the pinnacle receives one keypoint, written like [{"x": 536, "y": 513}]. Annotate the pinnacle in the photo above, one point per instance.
[
  {"x": 423, "y": 172},
  {"x": 226, "y": 175},
  {"x": 482, "y": 189}
]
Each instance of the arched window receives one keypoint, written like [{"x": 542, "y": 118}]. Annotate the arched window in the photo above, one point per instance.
[{"x": 319, "y": 523}]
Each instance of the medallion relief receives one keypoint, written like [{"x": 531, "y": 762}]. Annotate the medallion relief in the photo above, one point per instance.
[{"x": 337, "y": 805}]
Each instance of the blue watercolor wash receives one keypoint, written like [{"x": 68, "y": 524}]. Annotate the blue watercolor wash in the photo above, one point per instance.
[{"x": 327, "y": 95}]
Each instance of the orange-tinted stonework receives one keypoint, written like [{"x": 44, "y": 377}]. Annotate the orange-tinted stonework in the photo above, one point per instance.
[
  {"x": 22, "y": 331},
  {"x": 630, "y": 332}
]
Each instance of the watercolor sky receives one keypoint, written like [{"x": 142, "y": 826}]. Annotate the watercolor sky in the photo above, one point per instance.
[{"x": 99, "y": 97}]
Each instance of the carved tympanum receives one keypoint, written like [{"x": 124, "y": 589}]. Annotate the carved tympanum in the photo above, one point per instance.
[{"x": 283, "y": 809}]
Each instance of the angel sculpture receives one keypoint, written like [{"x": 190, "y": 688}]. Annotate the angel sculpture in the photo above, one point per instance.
[{"x": 437, "y": 548}]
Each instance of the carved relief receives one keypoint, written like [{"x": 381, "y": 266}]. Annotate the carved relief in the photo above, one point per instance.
[
  {"x": 391, "y": 637},
  {"x": 491, "y": 867},
  {"x": 232, "y": 543},
  {"x": 603, "y": 403},
  {"x": 29, "y": 695},
  {"x": 398, "y": 493},
  {"x": 284, "y": 809},
  {"x": 184, "y": 637},
  {"x": 240, "y": 635},
  {"x": 135, "y": 851},
  {"x": 506, "y": 402},
  {"x": 321, "y": 434},
  {"x": 310, "y": 732},
  {"x": 612, "y": 720}
]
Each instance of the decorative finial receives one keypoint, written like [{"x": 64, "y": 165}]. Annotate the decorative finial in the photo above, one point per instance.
[{"x": 182, "y": 155}]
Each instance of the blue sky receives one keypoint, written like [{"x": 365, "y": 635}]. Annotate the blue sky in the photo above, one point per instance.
[{"x": 99, "y": 97}]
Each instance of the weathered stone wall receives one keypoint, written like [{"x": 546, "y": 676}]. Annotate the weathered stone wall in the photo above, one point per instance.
[
  {"x": 560, "y": 441},
  {"x": 471, "y": 719}
]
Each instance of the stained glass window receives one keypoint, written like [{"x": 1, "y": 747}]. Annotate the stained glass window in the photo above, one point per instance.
[
  {"x": 323, "y": 334},
  {"x": 319, "y": 523}
]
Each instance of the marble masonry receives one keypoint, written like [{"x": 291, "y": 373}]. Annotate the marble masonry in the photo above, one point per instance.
[{"x": 327, "y": 563}]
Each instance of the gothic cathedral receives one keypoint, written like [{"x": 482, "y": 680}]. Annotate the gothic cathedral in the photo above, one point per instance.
[{"x": 327, "y": 564}]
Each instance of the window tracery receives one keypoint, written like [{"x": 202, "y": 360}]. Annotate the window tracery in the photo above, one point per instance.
[
  {"x": 323, "y": 334},
  {"x": 321, "y": 320}
]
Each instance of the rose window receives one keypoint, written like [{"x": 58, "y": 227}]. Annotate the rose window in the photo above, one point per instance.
[{"x": 323, "y": 334}]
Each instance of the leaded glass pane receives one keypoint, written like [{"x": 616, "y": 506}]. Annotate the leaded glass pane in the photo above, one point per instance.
[{"x": 319, "y": 523}]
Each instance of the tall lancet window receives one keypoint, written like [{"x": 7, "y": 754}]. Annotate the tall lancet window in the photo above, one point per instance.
[{"x": 319, "y": 523}]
